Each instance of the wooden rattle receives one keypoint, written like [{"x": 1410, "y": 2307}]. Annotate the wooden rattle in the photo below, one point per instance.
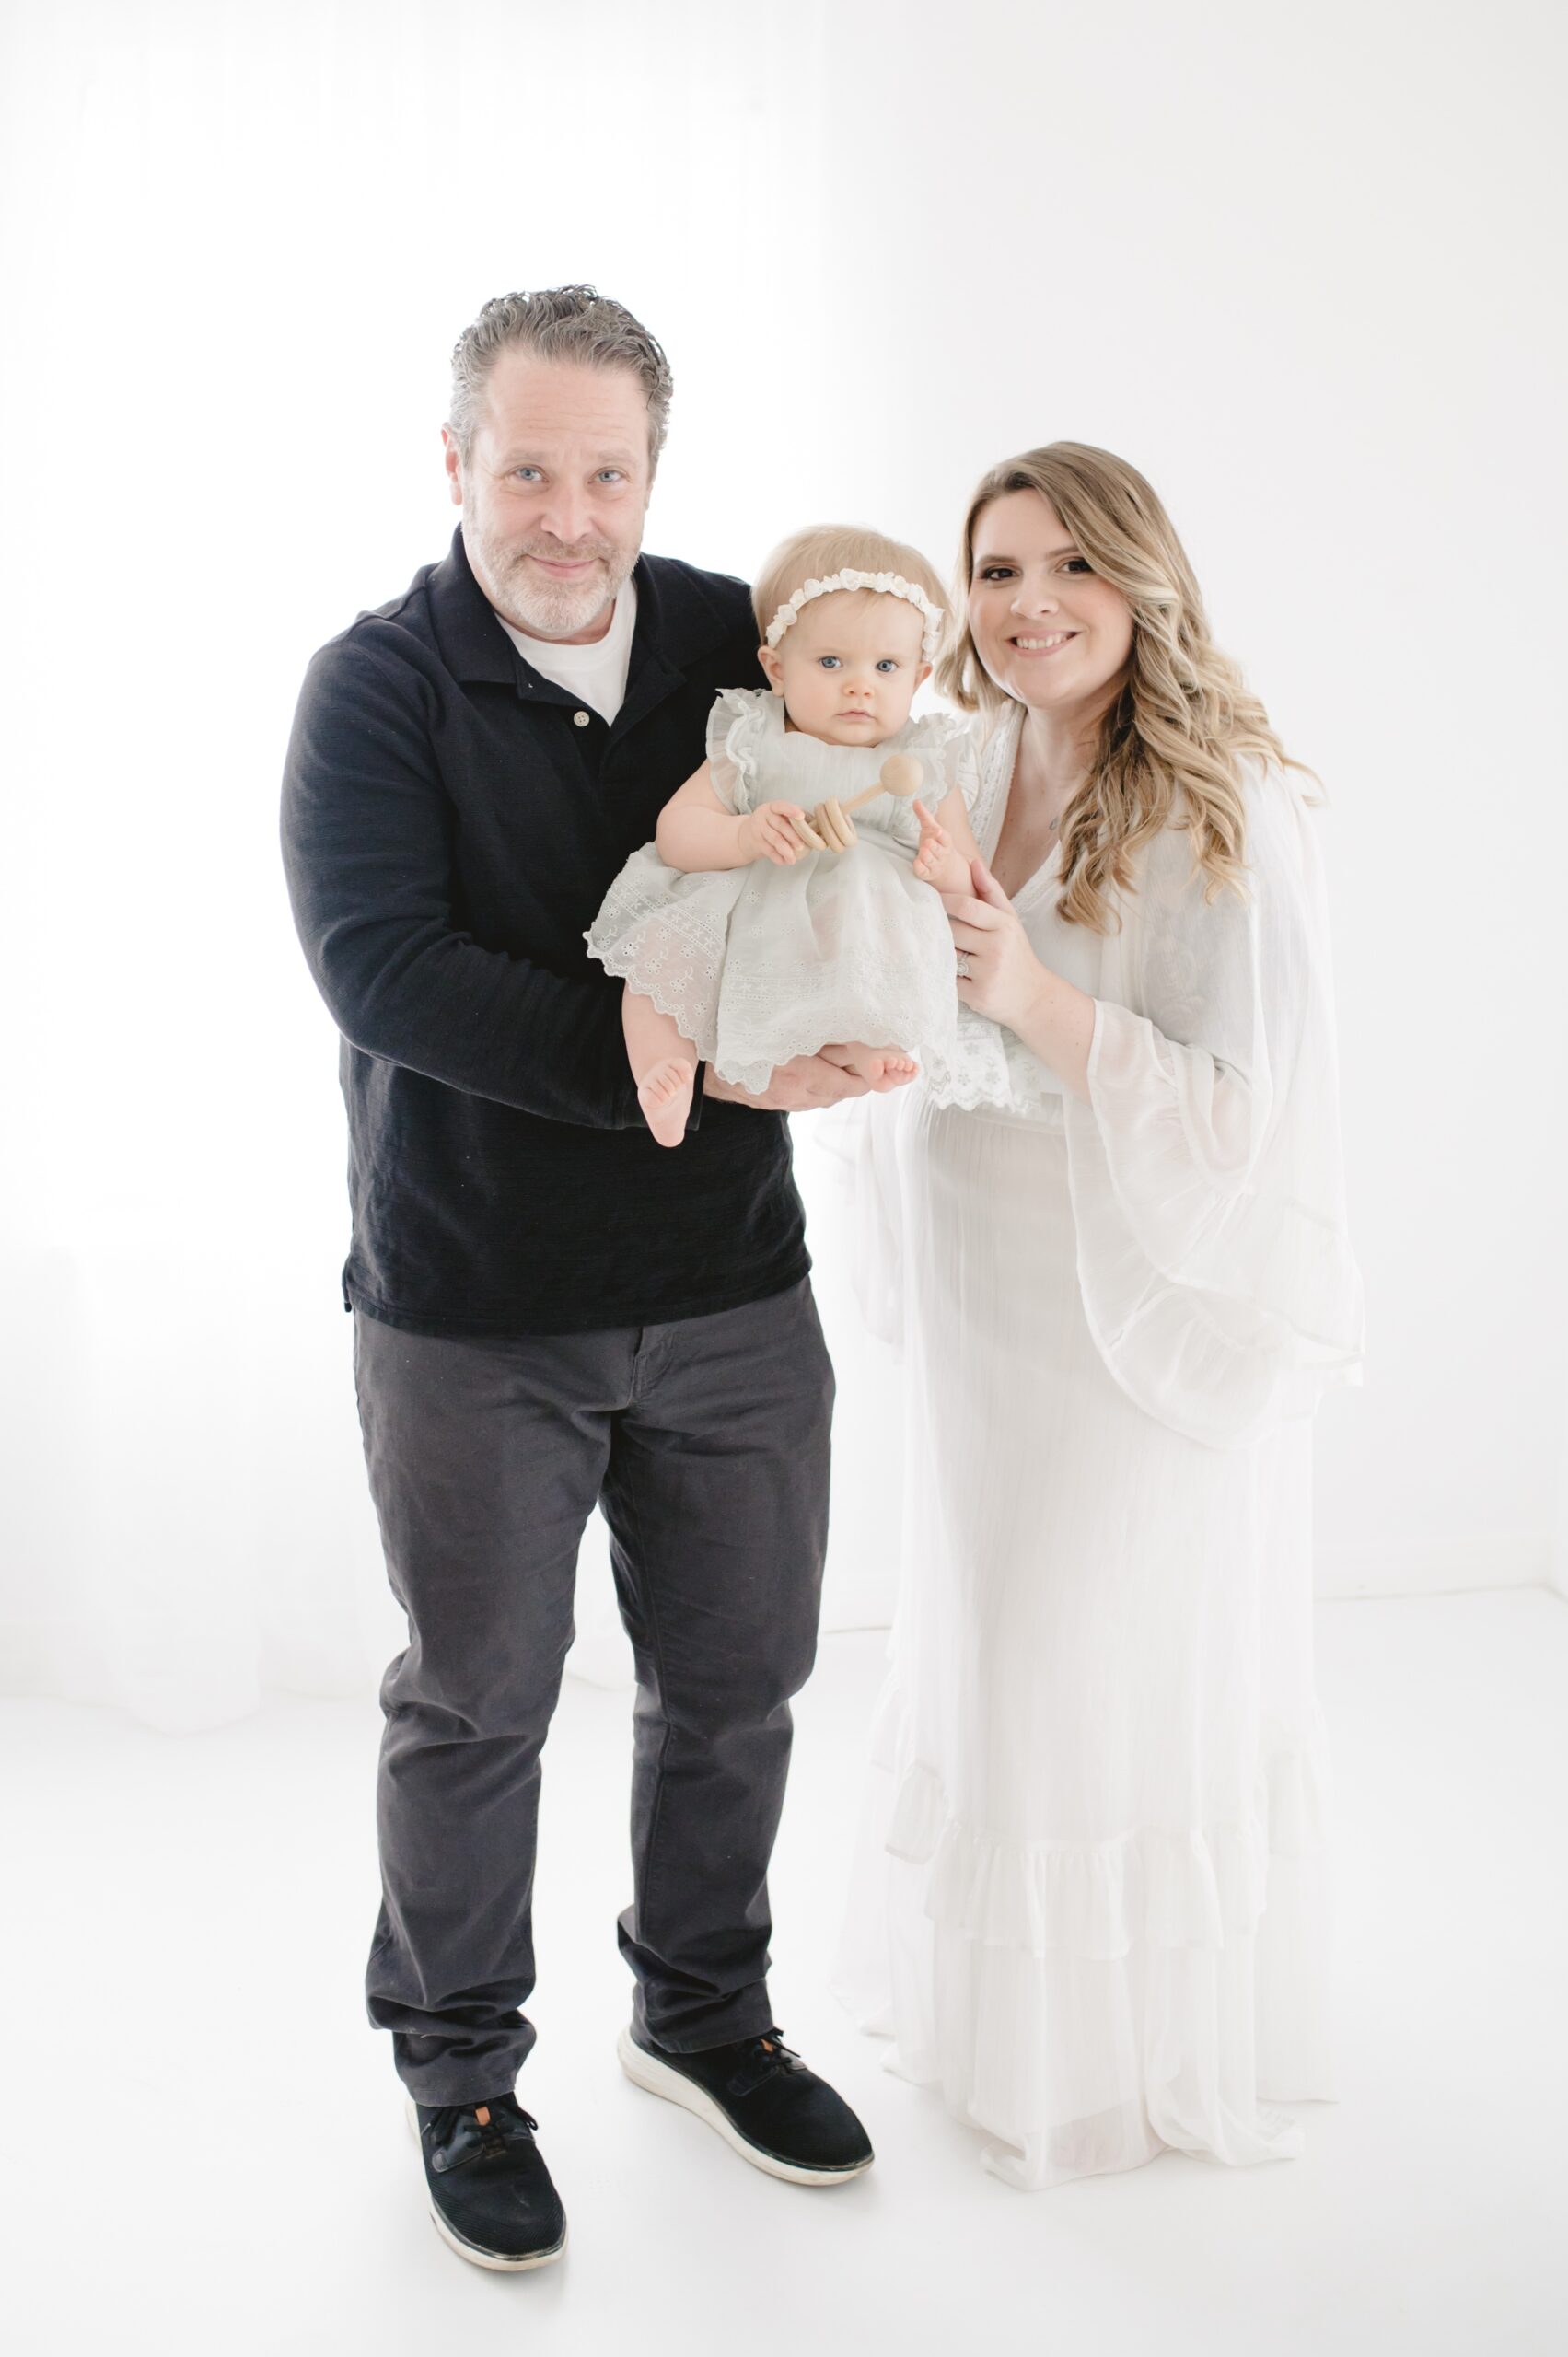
[{"x": 902, "y": 777}]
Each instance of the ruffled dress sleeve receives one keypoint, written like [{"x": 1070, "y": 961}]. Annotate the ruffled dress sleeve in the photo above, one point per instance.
[
  {"x": 739, "y": 729},
  {"x": 1213, "y": 1259}
]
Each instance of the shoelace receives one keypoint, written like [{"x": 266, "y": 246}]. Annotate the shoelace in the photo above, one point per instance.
[
  {"x": 765, "y": 2059},
  {"x": 485, "y": 2131}
]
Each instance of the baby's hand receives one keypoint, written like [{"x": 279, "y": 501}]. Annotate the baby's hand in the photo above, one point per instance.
[
  {"x": 936, "y": 851},
  {"x": 777, "y": 830}
]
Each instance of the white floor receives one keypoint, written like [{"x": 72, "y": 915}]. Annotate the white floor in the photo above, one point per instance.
[{"x": 206, "y": 2149}]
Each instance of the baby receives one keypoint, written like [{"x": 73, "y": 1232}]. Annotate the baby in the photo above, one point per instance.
[{"x": 748, "y": 933}]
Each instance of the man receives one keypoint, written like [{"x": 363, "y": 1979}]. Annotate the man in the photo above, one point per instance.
[{"x": 551, "y": 1311}]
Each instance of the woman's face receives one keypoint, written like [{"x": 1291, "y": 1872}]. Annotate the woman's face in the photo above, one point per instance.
[{"x": 1049, "y": 632}]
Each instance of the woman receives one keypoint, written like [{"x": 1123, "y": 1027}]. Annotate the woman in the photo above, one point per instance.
[{"x": 1092, "y": 1908}]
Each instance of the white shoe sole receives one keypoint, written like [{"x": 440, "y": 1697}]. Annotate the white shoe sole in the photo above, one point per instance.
[
  {"x": 470, "y": 2251},
  {"x": 646, "y": 2070}
]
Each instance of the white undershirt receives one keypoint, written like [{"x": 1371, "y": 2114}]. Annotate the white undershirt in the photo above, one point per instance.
[{"x": 595, "y": 674}]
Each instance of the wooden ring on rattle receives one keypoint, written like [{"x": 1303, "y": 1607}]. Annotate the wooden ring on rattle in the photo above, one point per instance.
[{"x": 902, "y": 776}]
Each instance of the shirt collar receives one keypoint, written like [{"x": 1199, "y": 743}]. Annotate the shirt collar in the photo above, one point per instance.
[{"x": 679, "y": 621}]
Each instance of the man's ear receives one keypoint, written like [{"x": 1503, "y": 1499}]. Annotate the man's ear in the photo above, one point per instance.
[
  {"x": 773, "y": 669},
  {"x": 452, "y": 460}
]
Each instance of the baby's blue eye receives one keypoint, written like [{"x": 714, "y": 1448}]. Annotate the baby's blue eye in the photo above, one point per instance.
[
  {"x": 888, "y": 664},
  {"x": 829, "y": 662}
]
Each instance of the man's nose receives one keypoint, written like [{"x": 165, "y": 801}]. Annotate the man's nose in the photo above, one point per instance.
[{"x": 567, "y": 516}]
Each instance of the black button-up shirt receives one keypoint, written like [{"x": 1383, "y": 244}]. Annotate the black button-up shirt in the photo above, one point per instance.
[{"x": 450, "y": 826}]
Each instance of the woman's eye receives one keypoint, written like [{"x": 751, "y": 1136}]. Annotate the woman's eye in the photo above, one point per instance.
[
  {"x": 996, "y": 571},
  {"x": 829, "y": 662},
  {"x": 1077, "y": 564}
]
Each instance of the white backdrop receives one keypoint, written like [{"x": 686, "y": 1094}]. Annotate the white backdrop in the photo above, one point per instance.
[{"x": 1301, "y": 267}]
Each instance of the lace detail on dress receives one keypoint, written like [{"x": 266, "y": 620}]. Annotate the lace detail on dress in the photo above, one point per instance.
[
  {"x": 990, "y": 1066},
  {"x": 752, "y": 997},
  {"x": 992, "y": 757},
  {"x": 678, "y": 960}
]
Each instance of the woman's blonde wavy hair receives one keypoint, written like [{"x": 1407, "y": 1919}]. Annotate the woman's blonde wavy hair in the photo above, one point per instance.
[{"x": 1172, "y": 742}]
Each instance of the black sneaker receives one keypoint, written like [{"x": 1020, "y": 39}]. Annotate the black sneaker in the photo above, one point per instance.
[
  {"x": 490, "y": 2196},
  {"x": 763, "y": 2099}
]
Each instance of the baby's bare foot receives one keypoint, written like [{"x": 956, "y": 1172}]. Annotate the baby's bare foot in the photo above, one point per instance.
[
  {"x": 880, "y": 1068},
  {"x": 664, "y": 1095}
]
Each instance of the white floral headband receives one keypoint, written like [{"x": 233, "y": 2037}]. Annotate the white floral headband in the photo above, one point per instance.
[{"x": 887, "y": 585}]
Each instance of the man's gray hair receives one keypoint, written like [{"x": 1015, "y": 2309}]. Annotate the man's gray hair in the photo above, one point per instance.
[{"x": 574, "y": 323}]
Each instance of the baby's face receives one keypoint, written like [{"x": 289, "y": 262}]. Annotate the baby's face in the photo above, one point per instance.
[{"x": 848, "y": 668}]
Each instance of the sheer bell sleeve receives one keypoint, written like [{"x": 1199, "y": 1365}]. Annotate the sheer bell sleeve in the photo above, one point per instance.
[{"x": 1207, "y": 1189}]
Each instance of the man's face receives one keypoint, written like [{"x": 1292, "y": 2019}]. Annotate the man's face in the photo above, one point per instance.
[{"x": 553, "y": 492}]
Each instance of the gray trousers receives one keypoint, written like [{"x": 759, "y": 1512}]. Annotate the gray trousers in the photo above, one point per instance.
[{"x": 706, "y": 1443}]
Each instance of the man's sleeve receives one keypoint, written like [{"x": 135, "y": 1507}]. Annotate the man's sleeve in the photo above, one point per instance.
[{"x": 367, "y": 850}]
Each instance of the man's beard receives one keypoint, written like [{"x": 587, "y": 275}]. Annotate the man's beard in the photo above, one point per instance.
[{"x": 530, "y": 601}]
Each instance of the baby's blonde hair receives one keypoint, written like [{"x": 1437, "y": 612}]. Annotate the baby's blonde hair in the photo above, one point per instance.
[{"x": 825, "y": 549}]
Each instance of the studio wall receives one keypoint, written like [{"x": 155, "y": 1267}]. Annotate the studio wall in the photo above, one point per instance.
[{"x": 1298, "y": 269}]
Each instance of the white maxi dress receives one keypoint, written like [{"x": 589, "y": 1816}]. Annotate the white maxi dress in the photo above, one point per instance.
[{"x": 1091, "y": 1905}]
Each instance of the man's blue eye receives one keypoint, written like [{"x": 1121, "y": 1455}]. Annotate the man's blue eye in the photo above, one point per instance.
[{"x": 610, "y": 474}]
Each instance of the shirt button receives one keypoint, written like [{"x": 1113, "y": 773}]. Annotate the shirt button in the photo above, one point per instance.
[{"x": 580, "y": 719}]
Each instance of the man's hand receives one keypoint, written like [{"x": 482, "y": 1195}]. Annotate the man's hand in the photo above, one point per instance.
[{"x": 798, "y": 1087}]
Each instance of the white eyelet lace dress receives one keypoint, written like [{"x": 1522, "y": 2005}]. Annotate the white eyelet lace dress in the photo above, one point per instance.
[
  {"x": 1090, "y": 1903},
  {"x": 759, "y": 964}
]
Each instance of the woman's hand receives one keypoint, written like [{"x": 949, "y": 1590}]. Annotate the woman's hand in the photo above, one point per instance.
[
  {"x": 1004, "y": 979},
  {"x": 776, "y": 830}
]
